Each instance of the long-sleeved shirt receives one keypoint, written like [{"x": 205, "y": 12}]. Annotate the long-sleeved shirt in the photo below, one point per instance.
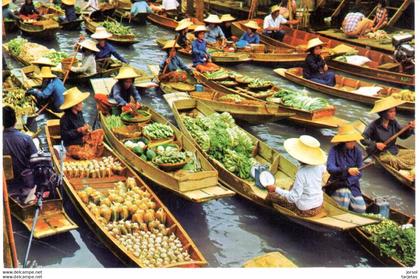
[
  {"x": 169, "y": 5},
  {"x": 8, "y": 14},
  {"x": 227, "y": 31},
  {"x": 54, "y": 89},
  {"x": 175, "y": 64},
  {"x": 376, "y": 132},
  {"x": 214, "y": 34},
  {"x": 140, "y": 7},
  {"x": 20, "y": 147},
  {"x": 107, "y": 51},
  {"x": 88, "y": 66},
  {"x": 314, "y": 64},
  {"x": 70, "y": 13},
  {"x": 28, "y": 9},
  {"x": 199, "y": 52},
  {"x": 254, "y": 38},
  {"x": 182, "y": 39},
  {"x": 122, "y": 96},
  {"x": 269, "y": 22},
  {"x": 307, "y": 188},
  {"x": 69, "y": 124},
  {"x": 340, "y": 159}
]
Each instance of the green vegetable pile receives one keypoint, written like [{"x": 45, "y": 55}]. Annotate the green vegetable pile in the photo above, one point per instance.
[
  {"x": 169, "y": 155},
  {"x": 224, "y": 141},
  {"x": 157, "y": 130},
  {"x": 219, "y": 74},
  {"x": 56, "y": 56},
  {"x": 15, "y": 45},
  {"x": 113, "y": 121},
  {"x": 232, "y": 97},
  {"x": 19, "y": 101},
  {"x": 257, "y": 83},
  {"x": 117, "y": 28},
  {"x": 300, "y": 100},
  {"x": 394, "y": 240}
]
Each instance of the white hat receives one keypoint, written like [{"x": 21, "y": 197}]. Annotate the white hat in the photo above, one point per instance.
[
  {"x": 213, "y": 19},
  {"x": 306, "y": 149},
  {"x": 101, "y": 33},
  {"x": 89, "y": 44}
]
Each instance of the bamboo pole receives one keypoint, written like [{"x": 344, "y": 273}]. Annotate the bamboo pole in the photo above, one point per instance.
[
  {"x": 8, "y": 220},
  {"x": 199, "y": 10}
]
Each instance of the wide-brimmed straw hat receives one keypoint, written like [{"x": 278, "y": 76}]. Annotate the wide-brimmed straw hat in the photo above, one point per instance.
[
  {"x": 227, "y": 18},
  {"x": 386, "y": 104},
  {"x": 306, "y": 149},
  {"x": 275, "y": 8},
  {"x": 68, "y": 2},
  {"x": 183, "y": 24},
  {"x": 5, "y": 2},
  {"x": 89, "y": 44},
  {"x": 126, "y": 72},
  {"x": 46, "y": 72},
  {"x": 43, "y": 61},
  {"x": 101, "y": 33},
  {"x": 200, "y": 28},
  {"x": 213, "y": 19},
  {"x": 314, "y": 43},
  {"x": 170, "y": 44},
  {"x": 346, "y": 133},
  {"x": 252, "y": 24},
  {"x": 72, "y": 97}
]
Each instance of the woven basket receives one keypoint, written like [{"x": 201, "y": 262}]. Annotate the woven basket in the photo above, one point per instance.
[{"x": 66, "y": 63}]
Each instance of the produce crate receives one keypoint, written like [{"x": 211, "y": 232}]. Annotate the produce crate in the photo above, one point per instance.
[{"x": 257, "y": 47}]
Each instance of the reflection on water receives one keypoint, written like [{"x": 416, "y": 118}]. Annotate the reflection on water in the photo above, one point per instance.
[{"x": 230, "y": 231}]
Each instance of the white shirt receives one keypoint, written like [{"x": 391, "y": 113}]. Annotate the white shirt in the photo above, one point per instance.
[
  {"x": 168, "y": 5},
  {"x": 307, "y": 189},
  {"x": 270, "y": 22},
  {"x": 88, "y": 66},
  {"x": 93, "y": 5}
]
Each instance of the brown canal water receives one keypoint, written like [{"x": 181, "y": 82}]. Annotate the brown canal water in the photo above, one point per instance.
[{"x": 229, "y": 231}]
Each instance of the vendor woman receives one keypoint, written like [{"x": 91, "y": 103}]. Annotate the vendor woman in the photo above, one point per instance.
[
  {"x": 172, "y": 68},
  {"x": 315, "y": 68},
  {"x": 250, "y": 36},
  {"x": 226, "y": 27},
  {"x": 384, "y": 128},
  {"x": 344, "y": 162},
  {"x": 105, "y": 48},
  {"x": 28, "y": 11},
  {"x": 182, "y": 29},
  {"x": 214, "y": 33},
  {"x": 88, "y": 64},
  {"x": 69, "y": 11},
  {"x": 200, "y": 58},
  {"x": 81, "y": 143}
]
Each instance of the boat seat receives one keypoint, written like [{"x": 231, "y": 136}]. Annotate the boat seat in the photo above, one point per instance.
[
  {"x": 389, "y": 66},
  {"x": 323, "y": 213}
]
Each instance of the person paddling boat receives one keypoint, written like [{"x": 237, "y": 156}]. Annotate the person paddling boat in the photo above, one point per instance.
[
  {"x": 174, "y": 67},
  {"x": 88, "y": 64},
  {"x": 106, "y": 50}
]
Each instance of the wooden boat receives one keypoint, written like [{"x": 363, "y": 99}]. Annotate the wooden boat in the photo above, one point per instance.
[
  {"x": 197, "y": 187},
  {"x": 332, "y": 218},
  {"x": 55, "y": 12},
  {"x": 102, "y": 73},
  {"x": 320, "y": 118},
  {"x": 73, "y": 185},
  {"x": 140, "y": 18},
  {"x": 10, "y": 26},
  {"x": 52, "y": 219},
  {"x": 382, "y": 66},
  {"x": 129, "y": 39},
  {"x": 345, "y": 88},
  {"x": 273, "y": 259},
  {"x": 43, "y": 29},
  {"x": 71, "y": 25},
  {"x": 232, "y": 7},
  {"x": 167, "y": 22},
  {"x": 362, "y": 237}
]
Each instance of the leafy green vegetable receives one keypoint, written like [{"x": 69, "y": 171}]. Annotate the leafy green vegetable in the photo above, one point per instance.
[
  {"x": 114, "y": 121},
  {"x": 117, "y": 28},
  {"x": 15, "y": 45},
  {"x": 56, "y": 56},
  {"x": 300, "y": 100},
  {"x": 158, "y": 131}
]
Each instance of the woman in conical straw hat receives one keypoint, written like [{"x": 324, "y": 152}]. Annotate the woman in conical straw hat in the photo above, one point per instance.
[
  {"x": 384, "y": 128},
  {"x": 250, "y": 36},
  {"x": 182, "y": 30},
  {"x": 226, "y": 26},
  {"x": 315, "y": 68},
  {"x": 344, "y": 161},
  {"x": 214, "y": 33},
  {"x": 200, "y": 57},
  {"x": 174, "y": 67},
  {"x": 7, "y": 12},
  {"x": 69, "y": 11},
  {"x": 80, "y": 142},
  {"x": 106, "y": 50},
  {"x": 306, "y": 196},
  {"x": 88, "y": 64}
]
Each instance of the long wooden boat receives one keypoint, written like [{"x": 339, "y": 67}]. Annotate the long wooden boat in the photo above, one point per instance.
[
  {"x": 45, "y": 31},
  {"x": 323, "y": 118},
  {"x": 129, "y": 39},
  {"x": 363, "y": 238},
  {"x": 72, "y": 25},
  {"x": 52, "y": 219},
  {"x": 345, "y": 88},
  {"x": 332, "y": 218},
  {"x": 382, "y": 66},
  {"x": 112, "y": 69},
  {"x": 73, "y": 185},
  {"x": 199, "y": 186},
  {"x": 273, "y": 259},
  {"x": 121, "y": 14},
  {"x": 167, "y": 22}
]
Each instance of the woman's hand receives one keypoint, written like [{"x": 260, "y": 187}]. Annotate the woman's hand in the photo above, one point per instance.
[
  {"x": 325, "y": 68},
  {"x": 271, "y": 188},
  {"x": 412, "y": 124},
  {"x": 354, "y": 171},
  {"x": 380, "y": 146}
]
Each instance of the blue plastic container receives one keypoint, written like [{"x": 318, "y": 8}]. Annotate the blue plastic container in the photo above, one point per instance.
[{"x": 199, "y": 88}]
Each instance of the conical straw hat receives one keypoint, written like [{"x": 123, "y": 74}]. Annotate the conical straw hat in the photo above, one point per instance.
[
  {"x": 227, "y": 17},
  {"x": 314, "y": 43},
  {"x": 170, "y": 44},
  {"x": 89, "y": 44},
  {"x": 43, "y": 61},
  {"x": 200, "y": 28},
  {"x": 306, "y": 149},
  {"x": 213, "y": 19},
  {"x": 183, "y": 24},
  {"x": 46, "y": 72},
  {"x": 72, "y": 97},
  {"x": 275, "y": 8},
  {"x": 252, "y": 24},
  {"x": 386, "y": 104},
  {"x": 126, "y": 72},
  {"x": 69, "y": 2},
  {"x": 101, "y": 33},
  {"x": 346, "y": 133},
  {"x": 5, "y": 2}
]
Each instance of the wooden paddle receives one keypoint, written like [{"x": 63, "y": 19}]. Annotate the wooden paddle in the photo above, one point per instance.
[
  {"x": 81, "y": 38},
  {"x": 362, "y": 168}
]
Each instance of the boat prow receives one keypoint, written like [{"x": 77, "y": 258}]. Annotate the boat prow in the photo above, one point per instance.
[{"x": 273, "y": 259}]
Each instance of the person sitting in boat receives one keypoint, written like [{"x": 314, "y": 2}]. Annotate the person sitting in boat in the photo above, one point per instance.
[
  {"x": 200, "y": 58},
  {"x": 69, "y": 11},
  {"x": 182, "y": 29},
  {"x": 121, "y": 93},
  {"x": 170, "y": 8},
  {"x": 172, "y": 68},
  {"x": 273, "y": 22},
  {"x": 51, "y": 92},
  {"x": 20, "y": 147},
  {"x": 226, "y": 27},
  {"x": 214, "y": 33},
  {"x": 315, "y": 68},
  {"x": 250, "y": 36},
  {"x": 356, "y": 25},
  {"x": 80, "y": 142},
  {"x": 344, "y": 162},
  {"x": 88, "y": 64},
  {"x": 91, "y": 6},
  {"x": 105, "y": 48},
  {"x": 140, "y": 7},
  {"x": 7, "y": 12},
  {"x": 306, "y": 196},
  {"x": 382, "y": 129},
  {"x": 28, "y": 11},
  {"x": 381, "y": 16}
]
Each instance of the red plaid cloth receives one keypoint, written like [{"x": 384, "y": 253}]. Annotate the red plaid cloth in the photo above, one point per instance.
[{"x": 352, "y": 19}]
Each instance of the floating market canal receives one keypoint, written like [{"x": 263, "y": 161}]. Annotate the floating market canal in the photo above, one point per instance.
[{"x": 232, "y": 230}]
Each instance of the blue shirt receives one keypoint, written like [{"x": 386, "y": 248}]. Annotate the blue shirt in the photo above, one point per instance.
[
  {"x": 340, "y": 159},
  {"x": 254, "y": 39},
  {"x": 175, "y": 64},
  {"x": 214, "y": 34},
  {"x": 121, "y": 96},
  {"x": 70, "y": 12},
  {"x": 8, "y": 14},
  {"x": 199, "y": 52},
  {"x": 107, "y": 51},
  {"x": 55, "y": 89},
  {"x": 140, "y": 7}
]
